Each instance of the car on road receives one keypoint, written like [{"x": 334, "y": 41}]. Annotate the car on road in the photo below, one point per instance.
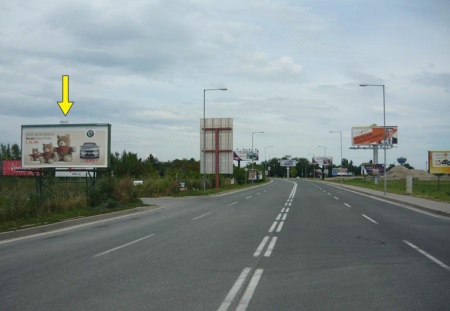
[{"x": 90, "y": 150}]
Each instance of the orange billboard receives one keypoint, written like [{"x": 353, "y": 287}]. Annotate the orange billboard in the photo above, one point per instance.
[
  {"x": 439, "y": 162},
  {"x": 374, "y": 135}
]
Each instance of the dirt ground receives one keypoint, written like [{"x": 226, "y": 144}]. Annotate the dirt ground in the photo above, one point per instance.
[{"x": 400, "y": 172}]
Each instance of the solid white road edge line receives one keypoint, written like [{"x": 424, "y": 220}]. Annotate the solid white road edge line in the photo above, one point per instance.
[
  {"x": 245, "y": 300},
  {"x": 124, "y": 245},
  {"x": 440, "y": 263},
  {"x": 234, "y": 290}
]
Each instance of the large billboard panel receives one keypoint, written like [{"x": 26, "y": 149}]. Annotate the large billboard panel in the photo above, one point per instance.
[
  {"x": 374, "y": 135},
  {"x": 288, "y": 163},
  {"x": 246, "y": 155},
  {"x": 439, "y": 162},
  {"x": 217, "y": 138},
  {"x": 322, "y": 161},
  {"x": 66, "y": 145}
]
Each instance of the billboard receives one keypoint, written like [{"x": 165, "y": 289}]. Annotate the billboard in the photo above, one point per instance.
[
  {"x": 322, "y": 161},
  {"x": 246, "y": 155},
  {"x": 374, "y": 135},
  {"x": 288, "y": 163},
  {"x": 372, "y": 169},
  {"x": 439, "y": 162},
  {"x": 217, "y": 138},
  {"x": 13, "y": 167},
  {"x": 66, "y": 145}
]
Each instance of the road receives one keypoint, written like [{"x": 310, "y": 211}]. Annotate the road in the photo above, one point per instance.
[{"x": 287, "y": 245}]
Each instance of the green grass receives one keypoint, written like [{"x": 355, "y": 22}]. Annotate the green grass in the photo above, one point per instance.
[{"x": 426, "y": 189}]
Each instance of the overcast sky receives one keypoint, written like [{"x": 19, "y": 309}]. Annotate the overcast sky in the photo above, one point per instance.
[{"x": 292, "y": 69}]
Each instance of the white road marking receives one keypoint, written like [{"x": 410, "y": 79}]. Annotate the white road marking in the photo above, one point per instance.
[
  {"x": 233, "y": 203},
  {"x": 278, "y": 217},
  {"x": 347, "y": 205},
  {"x": 270, "y": 247},
  {"x": 124, "y": 245},
  {"x": 282, "y": 210},
  {"x": 249, "y": 197},
  {"x": 280, "y": 226},
  {"x": 287, "y": 210},
  {"x": 258, "y": 193},
  {"x": 443, "y": 265},
  {"x": 243, "y": 304},
  {"x": 367, "y": 217},
  {"x": 234, "y": 290},
  {"x": 284, "y": 217},
  {"x": 201, "y": 216},
  {"x": 273, "y": 226},
  {"x": 328, "y": 193},
  {"x": 261, "y": 246},
  {"x": 336, "y": 198}
]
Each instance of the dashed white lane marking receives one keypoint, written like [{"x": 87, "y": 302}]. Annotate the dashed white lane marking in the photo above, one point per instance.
[
  {"x": 336, "y": 198},
  {"x": 234, "y": 290},
  {"x": 347, "y": 205},
  {"x": 367, "y": 217},
  {"x": 440, "y": 263},
  {"x": 270, "y": 247},
  {"x": 280, "y": 226},
  {"x": 273, "y": 226},
  {"x": 243, "y": 304},
  {"x": 282, "y": 210},
  {"x": 279, "y": 216},
  {"x": 287, "y": 210},
  {"x": 328, "y": 193},
  {"x": 261, "y": 246},
  {"x": 233, "y": 203},
  {"x": 249, "y": 197},
  {"x": 124, "y": 245},
  {"x": 201, "y": 216},
  {"x": 284, "y": 217}
]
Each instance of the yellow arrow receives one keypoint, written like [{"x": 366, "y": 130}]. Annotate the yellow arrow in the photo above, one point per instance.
[{"x": 65, "y": 104}]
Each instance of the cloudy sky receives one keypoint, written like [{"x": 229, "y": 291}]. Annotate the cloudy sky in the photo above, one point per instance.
[{"x": 292, "y": 69}]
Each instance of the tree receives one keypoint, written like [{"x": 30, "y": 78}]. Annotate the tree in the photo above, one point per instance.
[{"x": 401, "y": 160}]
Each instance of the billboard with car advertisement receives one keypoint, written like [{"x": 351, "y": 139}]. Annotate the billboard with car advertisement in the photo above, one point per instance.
[
  {"x": 374, "y": 135},
  {"x": 66, "y": 145},
  {"x": 439, "y": 162}
]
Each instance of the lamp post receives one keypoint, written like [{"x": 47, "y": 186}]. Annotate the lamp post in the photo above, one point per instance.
[
  {"x": 265, "y": 159},
  {"x": 204, "y": 132},
  {"x": 384, "y": 125},
  {"x": 253, "y": 171},
  {"x": 340, "y": 133}
]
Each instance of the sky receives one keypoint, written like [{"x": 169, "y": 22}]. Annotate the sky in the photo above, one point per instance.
[{"x": 292, "y": 70}]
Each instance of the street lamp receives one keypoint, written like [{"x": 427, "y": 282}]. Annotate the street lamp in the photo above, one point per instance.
[
  {"x": 384, "y": 125},
  {"x": 265, "y": 158},
  {"x": 253, "y": 171},
  {"x": 204, "y": 132},
  {"x": 340, "y": 133}
]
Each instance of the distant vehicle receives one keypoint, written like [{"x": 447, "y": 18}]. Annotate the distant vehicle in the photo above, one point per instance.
[{"x": 89, "y": 150}]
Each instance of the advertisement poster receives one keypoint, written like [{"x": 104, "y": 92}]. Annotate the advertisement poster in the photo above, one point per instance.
[
  {"x": 374, "y": 135},
  {"x": 68, "y": 146},
  {"x": 439, "y": 162},
  {"x": 246, "y": 155},
  {"x": 288, "y": 163},
  {"x": 322, "y": 161},
  {"x": 13, "y": 167}
]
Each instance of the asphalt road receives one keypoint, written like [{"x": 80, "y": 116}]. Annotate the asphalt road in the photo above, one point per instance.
[{"x": 288, "y": 245}]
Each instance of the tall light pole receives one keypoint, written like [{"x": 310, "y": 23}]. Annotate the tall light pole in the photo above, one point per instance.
[
  {"x": 253, "y": 171},
  {"x": 265, "y": 159},
  {"x": 384, "y": 125},
  {"x": 340, "y": 133},
  {"x": 204, "y": 132}
]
